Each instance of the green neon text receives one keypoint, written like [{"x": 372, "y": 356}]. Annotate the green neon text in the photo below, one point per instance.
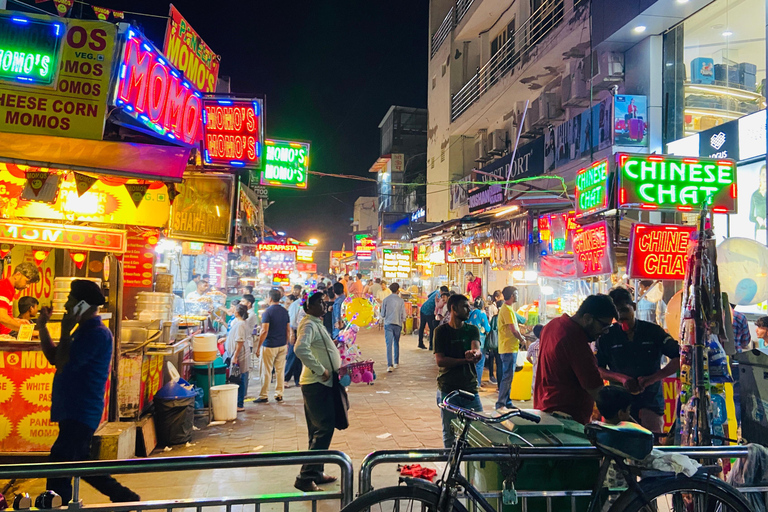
[{"x": 27, "y": 63}]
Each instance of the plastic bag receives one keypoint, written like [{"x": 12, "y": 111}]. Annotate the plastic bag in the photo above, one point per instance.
[
  {"x": 173, "y": 372},
  {"x": 718, "y": 362}
]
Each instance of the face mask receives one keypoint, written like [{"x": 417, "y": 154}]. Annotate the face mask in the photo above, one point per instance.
[{"x": 625, "y": 326}]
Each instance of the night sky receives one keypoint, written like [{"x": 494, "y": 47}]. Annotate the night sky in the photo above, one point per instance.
[{"x": 330, "y": 70}]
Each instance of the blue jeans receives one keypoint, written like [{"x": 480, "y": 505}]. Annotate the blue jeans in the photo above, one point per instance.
[
  {"x": 242, "y": 389},
  {"x": 473, "y": 404},
  {"x": 479, "y": 368},
  {"x": 508, "y": 365},
  {"x": 392, "y": 338}
]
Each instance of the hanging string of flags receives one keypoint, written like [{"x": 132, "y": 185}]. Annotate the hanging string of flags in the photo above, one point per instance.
[{"x": 64, "y": 6}]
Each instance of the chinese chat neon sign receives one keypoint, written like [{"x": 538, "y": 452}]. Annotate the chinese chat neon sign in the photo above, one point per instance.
[
  {"x": 592, "y": 189},
  {"x": 29, "y": 49},
  {"x": 233, "y": 131},
  {"x": 592, "y": 250},
  {"x": 659, "y": 251},
  {"x": 287, "y": 164},
  {"x": 666, "y": 182},
  {"x": 156, "y": 94}
]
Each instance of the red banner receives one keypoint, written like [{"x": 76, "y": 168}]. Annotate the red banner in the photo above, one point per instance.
[
  {"x": 592, "y": 250},
  {"x": 139, "y": 257},
  {"x": 659, "y": 251},
  {"x": 187, "y": 51}
]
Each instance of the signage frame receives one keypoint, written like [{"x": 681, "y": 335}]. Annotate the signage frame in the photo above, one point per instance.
[
  {"x": 724, "y": 200},
  {"x": 635, "y": 264},
  {"x": 602, "y": 186},
  {"x": 178, "y": 210},
  {"x": 600, "y": 258},
  {"x": 277, "y": 182},
  {"x": 253, "y": 107},
  {"x": 52, "y": 235},
  {"x": 174, "y": 46},
  {"x": 55, "y": 59}
]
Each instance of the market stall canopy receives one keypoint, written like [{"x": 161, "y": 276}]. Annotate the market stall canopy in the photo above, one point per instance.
[{"x": 143, "y": 161}]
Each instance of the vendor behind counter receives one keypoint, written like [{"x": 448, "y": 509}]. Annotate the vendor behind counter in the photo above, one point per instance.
[{"x": 22, "y": 276}]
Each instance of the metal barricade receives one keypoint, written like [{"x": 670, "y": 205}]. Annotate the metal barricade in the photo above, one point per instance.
[
  {"x": 502, "y": 454},
  {"x": 78, "y": 470}
]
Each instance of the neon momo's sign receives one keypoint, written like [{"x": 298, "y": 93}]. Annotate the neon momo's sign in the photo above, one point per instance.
[
  {"x": 666, "y": 182},
  {"x": 592, "y": 188},
  {"x": 277, "y": 247},
  {"x": 155, "y": 93},
  {"x": 592, "y": 250},
  {"x": 60, "y": 235},
  {"x": 659, "y": 252},
  {"x": 29, "y": 49},
  {"x": 232, "y": 132},
  {"x": 287, "y": 164}
]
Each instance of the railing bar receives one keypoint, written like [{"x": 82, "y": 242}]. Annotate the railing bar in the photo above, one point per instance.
[
  {"x": 287, "y": 506},
  {"x": 549, "y": 504},
  {"x": 573, "y": 503},
  {"x": 257, "y": 507}
]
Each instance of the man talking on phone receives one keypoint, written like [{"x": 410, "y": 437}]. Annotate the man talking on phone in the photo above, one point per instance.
[{"x": 82, "y": 359}]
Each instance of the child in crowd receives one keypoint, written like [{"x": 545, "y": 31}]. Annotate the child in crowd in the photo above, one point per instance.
[
  {"x": 614, "y": 404},
  {"x": 533, "y": 353},
  {"x": 28, "y": 308}
]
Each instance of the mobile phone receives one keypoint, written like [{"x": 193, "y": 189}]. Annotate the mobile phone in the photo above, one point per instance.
[{"x": 80, "y": 308}]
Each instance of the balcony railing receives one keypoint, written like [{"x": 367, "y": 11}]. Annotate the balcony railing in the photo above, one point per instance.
[
  {"x": 531, "y": 33},
  {"x": 454, "y": 16}
]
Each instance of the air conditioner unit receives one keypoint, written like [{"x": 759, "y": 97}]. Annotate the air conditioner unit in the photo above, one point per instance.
[
  {"x": 538, "y": 112},
  {"x": 607, "y": 69},
  {"x": 481, "y": 146},
  {"x": 574, "y": 91},
  {"x": 554, "y": 102},
  {"x": 498, "y": 143}
]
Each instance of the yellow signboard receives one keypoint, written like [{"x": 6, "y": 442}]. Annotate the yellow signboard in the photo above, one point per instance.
[
  {"x": 107, "y": 201},
  {"x": 204, "y": 209},
  {"x": 77, "y": 105}
]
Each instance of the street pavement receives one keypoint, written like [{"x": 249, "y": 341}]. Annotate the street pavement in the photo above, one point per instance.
[{"x": 398, "y": 411}]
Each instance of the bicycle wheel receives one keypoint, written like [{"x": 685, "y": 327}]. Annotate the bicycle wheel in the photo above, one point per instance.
[
  {"x": 404, "y": 498},
  {"x": 683, "y": 494}
]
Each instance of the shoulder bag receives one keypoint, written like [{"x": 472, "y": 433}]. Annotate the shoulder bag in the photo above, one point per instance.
[
  {"x": 340, "y": 397},
  {"x": 492, "y": 338}
]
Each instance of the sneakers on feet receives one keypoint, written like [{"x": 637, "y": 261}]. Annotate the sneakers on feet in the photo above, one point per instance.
[
  {"x": 261, "y": 400},
  {"x": 278, "y": 399},
  {"x": 396, "y": 365},
  {"x": 389, "y": 369}
]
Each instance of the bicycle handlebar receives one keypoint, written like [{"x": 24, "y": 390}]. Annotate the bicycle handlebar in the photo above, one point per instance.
[{"x": 474, "y": 416}]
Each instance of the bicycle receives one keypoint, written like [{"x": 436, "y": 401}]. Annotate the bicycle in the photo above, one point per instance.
[{"x": 646, "y": 491}]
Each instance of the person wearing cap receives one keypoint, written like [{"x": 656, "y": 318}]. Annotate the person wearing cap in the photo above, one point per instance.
[
  {"x": 82, "y": 359},
  {"x": 23, "y": 275}
]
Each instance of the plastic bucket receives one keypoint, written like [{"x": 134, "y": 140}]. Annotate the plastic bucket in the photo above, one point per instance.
[{"x": 224, "y": 401}]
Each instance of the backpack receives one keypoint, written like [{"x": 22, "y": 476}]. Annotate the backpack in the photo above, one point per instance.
[{"x": 492, "y": 338}]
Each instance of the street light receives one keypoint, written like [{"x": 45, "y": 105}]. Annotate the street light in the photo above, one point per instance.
[{"x": 313, "y": 241}]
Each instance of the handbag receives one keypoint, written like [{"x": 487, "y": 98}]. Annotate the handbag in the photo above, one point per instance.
[
  {"x": 234, "y": 373},
  {"x": 492, "y": 338},
  {"x": 340, "y": 397}
]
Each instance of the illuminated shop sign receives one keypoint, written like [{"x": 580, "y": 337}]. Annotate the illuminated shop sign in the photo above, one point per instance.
[
  {"x": 592, "y": 250},
  {"x": 29, "y": 49},
  {"x": 155, "y": 93},
  {"x": 305, "y": 255},
  {"x": 592, "y": 189},
  {"x": 187, "y": 51},
  {"x": 396, "y": 264},
  {"x": 232, "y": 132},
  {"x": 287, "y": 164},
  {"x": 659, "y": 251},
  {"x": 278, "y": 247},
  {"x": 64, "y": 236},
  {"x": 665, "y": 182},
  {"x": 365, "y": 246}
]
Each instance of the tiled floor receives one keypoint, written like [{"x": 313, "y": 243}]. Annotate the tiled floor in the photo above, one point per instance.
[{"x": 397, "y": 412}]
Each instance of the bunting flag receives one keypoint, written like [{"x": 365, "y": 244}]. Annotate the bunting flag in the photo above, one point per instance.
[
  {"x": 40, "y": 256},
  {"x": 102, "y": 13},
  {"x": 137, "y": 191},
  {"x": 172, "y": 192},
  {"x": 83, "y": 182},
  {"x": 78, "y": 258},
  {"x": 118, "y": 15},
  {"x": 36, "y": 180},
  {"x": 63, "y": 6},
  {"x": 5, "y": 249}
]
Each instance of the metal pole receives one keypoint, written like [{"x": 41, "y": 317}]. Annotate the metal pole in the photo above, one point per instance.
[{"x": 261, "y": 223}]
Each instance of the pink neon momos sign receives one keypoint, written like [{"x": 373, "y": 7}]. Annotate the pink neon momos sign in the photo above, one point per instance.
[{"x": 156, "y": 94}]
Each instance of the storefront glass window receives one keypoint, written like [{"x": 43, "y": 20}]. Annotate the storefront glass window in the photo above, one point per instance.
[{"x": 715, "y": 66}]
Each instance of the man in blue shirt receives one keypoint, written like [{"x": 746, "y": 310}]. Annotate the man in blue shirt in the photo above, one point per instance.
[
  {"x": 82, "y": 362},
  {"x": 338, "y": 322},
  {"x": 427, "y": 314},
  {"x": 275, "y": 333}
]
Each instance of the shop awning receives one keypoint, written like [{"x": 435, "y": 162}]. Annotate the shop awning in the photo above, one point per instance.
[{"x": 143, "y": 161}]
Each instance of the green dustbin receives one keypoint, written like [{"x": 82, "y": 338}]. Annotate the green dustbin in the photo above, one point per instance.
[
  {"x": 535, "y": 474},
  {"x": 200, "y": 373}
]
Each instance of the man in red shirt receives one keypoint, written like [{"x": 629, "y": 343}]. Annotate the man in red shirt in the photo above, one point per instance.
[
  {"x": 23, "y": 275},
  {"x": 474, "y": 286},
  {"x": 567, "y": 378}
]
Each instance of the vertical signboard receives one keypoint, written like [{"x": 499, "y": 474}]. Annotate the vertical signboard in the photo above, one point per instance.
[
  {"x": 659, "y": 251},
  {"x": 592, "y": 189},
  {"x": 139, "y": 257},
  {"x": 510, "y": 243},
  {"x": 188, "y": 52},
  {"x": 630, "y": 120},
  {"x": 592, "y": 250},
  {"x": 233, "y": 131}
]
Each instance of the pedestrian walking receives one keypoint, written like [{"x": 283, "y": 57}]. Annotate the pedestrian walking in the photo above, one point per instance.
[
  {"x": 457, "y": 351},
  {"x": 356, "y": 287},
  {"x": 238, "y": 350},
  {"x": 338, "y": 320},
  {"x": 275, "y": 332},
  {"x": 321, "y": 358},
  {"x": 292, "y": 363},
  {"x": 509, "y": 345},
  {"x": 82, "y": 361},
  {"x": 393, "y": 313},
  {"x": 427, "y": 316},
  {"x": 479, "y": 319},
  {"x": 328, "y": 300}
]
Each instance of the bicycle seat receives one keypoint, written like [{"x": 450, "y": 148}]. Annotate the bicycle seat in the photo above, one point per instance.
[{"x": 628, "y": 440}]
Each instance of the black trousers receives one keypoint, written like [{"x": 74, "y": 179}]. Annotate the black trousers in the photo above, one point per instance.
[
  {"x": 321, "y": 422},
  {"x": 293, "y": 365},
  {"x": 74, "y": 444},
  {"x": 426, "y": 320}
]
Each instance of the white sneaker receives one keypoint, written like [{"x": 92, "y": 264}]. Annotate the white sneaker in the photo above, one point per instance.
[
  {"x": 389, "y": 369},
  {"x": 396, "y": 366}
]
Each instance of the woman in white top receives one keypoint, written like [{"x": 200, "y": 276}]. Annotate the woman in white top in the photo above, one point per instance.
[
  {"x": 238, "y": 348},
  {"x": 321, "y": 358}
]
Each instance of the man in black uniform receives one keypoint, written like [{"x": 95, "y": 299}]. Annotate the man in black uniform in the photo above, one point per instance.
[{"x": 630, "y": 354}]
